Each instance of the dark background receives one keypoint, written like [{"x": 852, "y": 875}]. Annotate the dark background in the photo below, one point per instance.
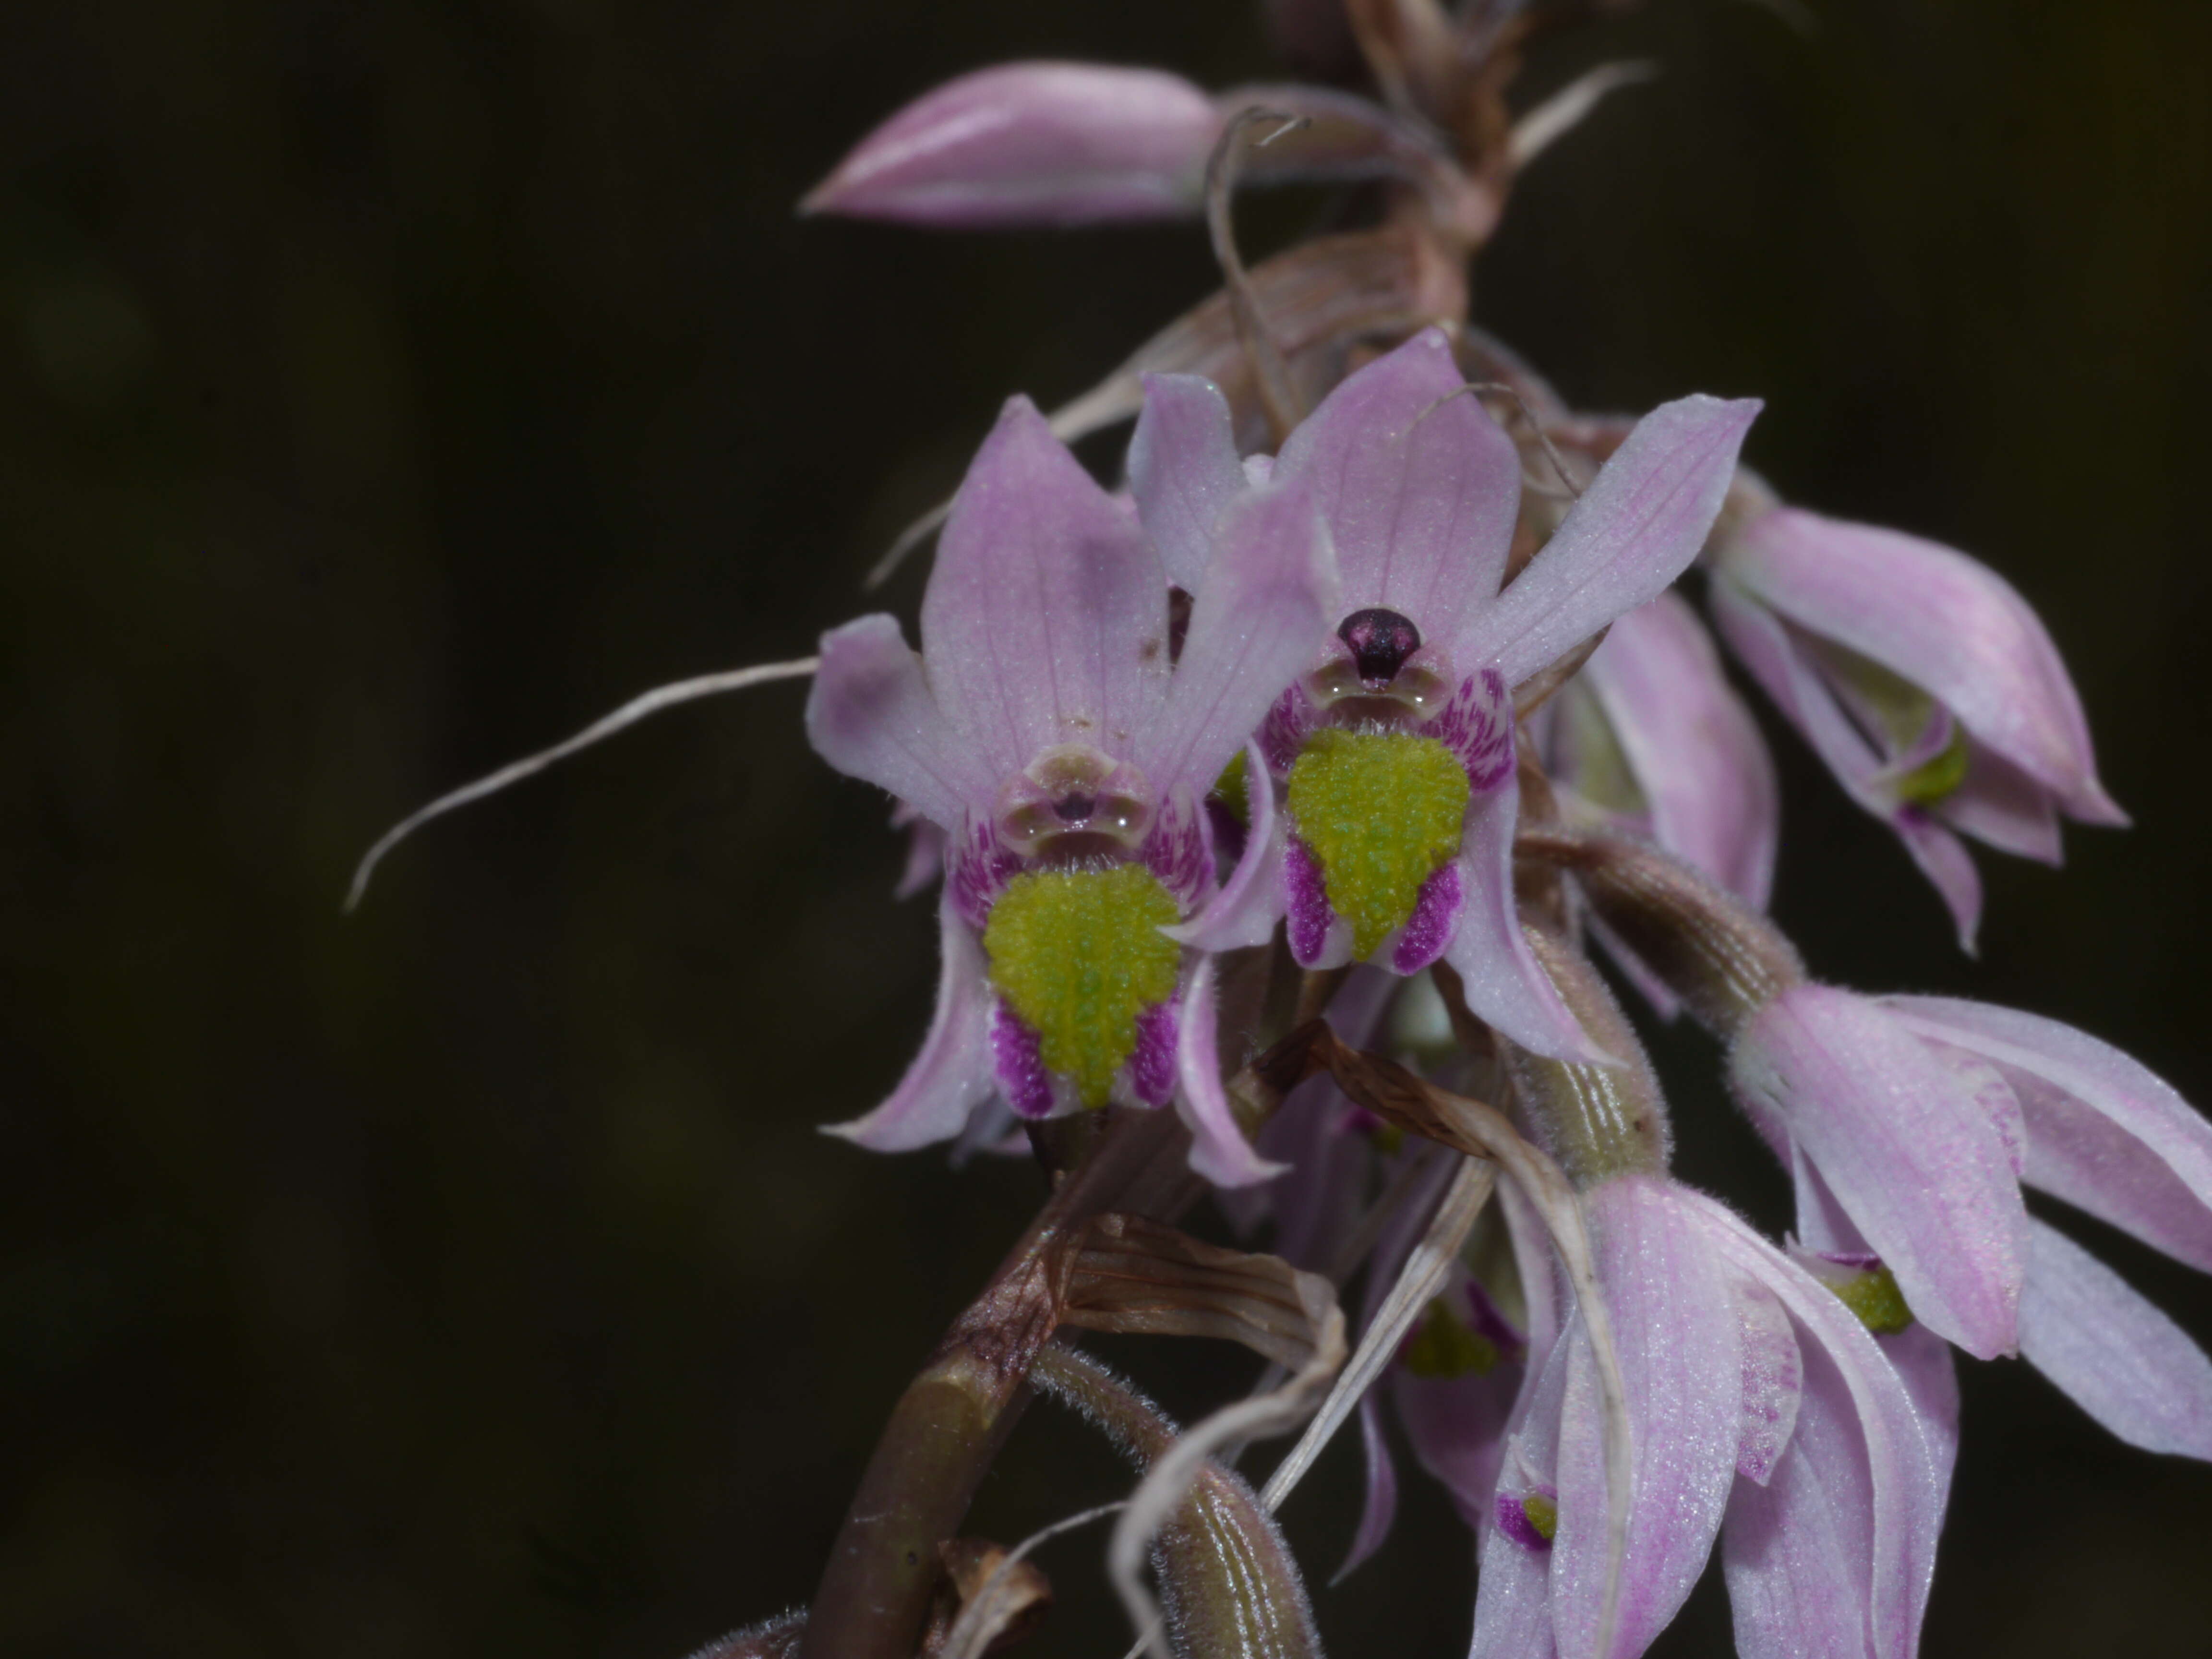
[{"x": 388, "y": 389}]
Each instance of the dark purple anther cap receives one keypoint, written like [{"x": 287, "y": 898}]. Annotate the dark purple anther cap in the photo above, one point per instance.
[
  {"x": 1381, "y": 640},
  {"x": 1074, "y": 809}
]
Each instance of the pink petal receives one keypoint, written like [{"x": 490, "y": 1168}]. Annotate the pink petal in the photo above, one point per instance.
[
  {"x": 2103, "y": 1131},
  {"x": 1692, "y": 745},
  {"x": 1505, "y": 986},
  {"x": 925, "y": 852},
  {"x": 1419, "y": 486},
  {"x": 1921, "y": 1359},
  {"x": 1946, "y": 623},
  {"x": 2001, "y": 806},
  {"x": 1923, "y": 1364},
  {"x": 1635, "y": 529},
  {"x": 2111, "y": 1352},
  {"x": 1541, "y": 1291},
  {"x": 1671, "y": 1299},
  {"x": 1649, "y": 985},
  {"x": 1798, "y": 1553},
  {"x": 1379, "y": 1505},
  {"x": 1032, "y": 143},
  {"x": 953, "y": 1074},
  {"x": 1765, "y": 645},
  {"x": 1046, "y": 618},
  {"x": 1921, "y": 1171},
  {"x": 1763, "y": 642},
  {"x": 1772, "y": 1381},
  {"x": 1456, "y": 1427},
  {"x": 870, "y": 714},
  {"x": 1330, "y": 1164},
  {"x": 1995, "y": 1096},
  {"x": 1179, "y": 848},
  {"x": 1245, "y": 909},
  {"x": 1943, "y": 858},
  {"x": 1218, "y": 1151},
  {"x": 1822, "y": 1226},
  {"x": 1258, "y": 615},
  {"x": 1834, "y": 1555},
  {"x": 1512, "y": 1601},
  {"x": 1317, "y": 1199},
  {"x": 1183, "y": 469},
  {"x": 1513, "y": 1611}
]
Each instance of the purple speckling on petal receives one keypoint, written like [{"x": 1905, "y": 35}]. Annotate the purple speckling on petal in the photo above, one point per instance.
[
  {"x": 1152, "y": 1067},
  {"x": 1177, "y": 853},
  {"x": 1513, "y": 1519},
  {"x": 1477, "y": 725},
  {"x": 1018, "y": 1061},
  {"x": 1284, "y": 732},
  {"x": 978, "y": 869},
  {"x": 1429, "y": 929},
  {"x": 1306, "y": 897}
]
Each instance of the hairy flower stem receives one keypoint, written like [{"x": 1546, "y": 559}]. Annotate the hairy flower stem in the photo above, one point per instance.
[
  {"x": 1230, "y": 1586},
  {"x": 1723, "y": 959},
  {"x": 949, "y": 1425},
  {"x": 1597, "y": 1122}
]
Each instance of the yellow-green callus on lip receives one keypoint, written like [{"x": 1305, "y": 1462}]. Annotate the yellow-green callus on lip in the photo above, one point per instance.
[
  {"x": 1382, "y": 812},
  {"x": 1078, "y": 955},
  {"x": 1444, "y": 1347},
  {"x": 1872, "y": 1294}
]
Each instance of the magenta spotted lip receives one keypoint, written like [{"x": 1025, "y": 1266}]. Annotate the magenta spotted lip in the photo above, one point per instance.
[
  {"x": 1420, "y": 490},
  {"x": 1073, "y": 745}
]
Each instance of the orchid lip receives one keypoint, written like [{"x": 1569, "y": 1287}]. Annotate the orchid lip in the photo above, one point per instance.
[{"x": 1074, "y": 803}]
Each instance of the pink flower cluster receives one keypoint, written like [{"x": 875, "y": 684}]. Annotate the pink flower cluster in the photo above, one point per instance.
[{"x": 1402, "y": 564}]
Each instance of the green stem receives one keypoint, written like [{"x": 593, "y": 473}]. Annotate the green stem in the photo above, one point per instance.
[
  {"x": 1723, "y": 959},
  {"x": 1597, "y": 1122},
  {"x": 1230, "y": 1587},
  {"x": 955, "y": 1415}
]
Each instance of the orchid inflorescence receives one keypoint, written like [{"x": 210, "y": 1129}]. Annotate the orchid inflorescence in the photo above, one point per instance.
[{"x": 1278, "y": 801}]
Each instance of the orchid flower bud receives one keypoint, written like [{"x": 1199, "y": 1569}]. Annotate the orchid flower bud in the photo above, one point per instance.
[
  {"x": 1056, "y": 143},
  {"x": 1922, "y": 679},
  {"x": 1032, "y": 143}
]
